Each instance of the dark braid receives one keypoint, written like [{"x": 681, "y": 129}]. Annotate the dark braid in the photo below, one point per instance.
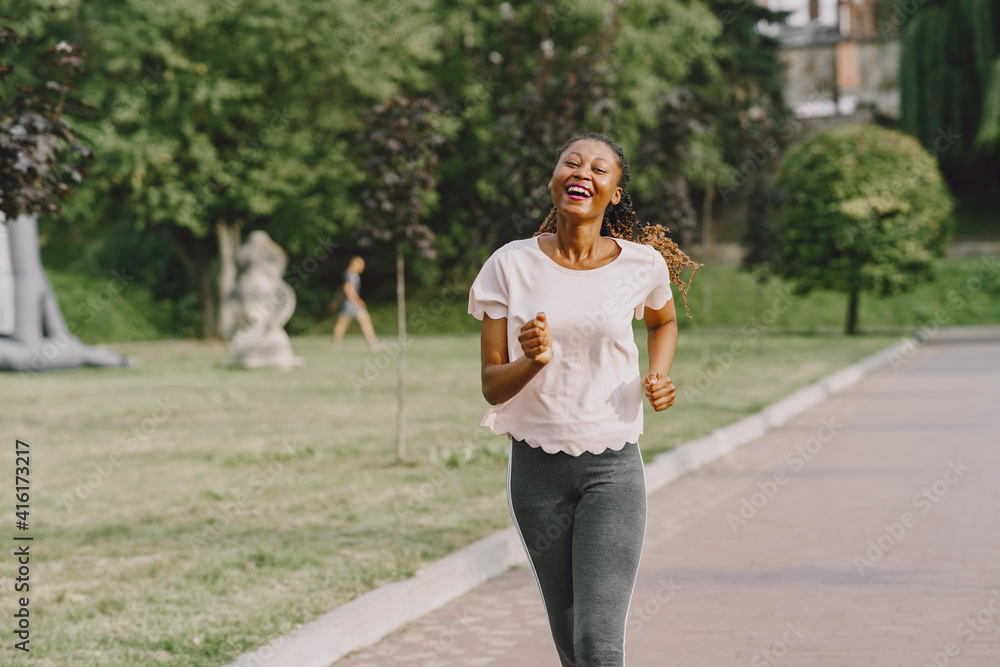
[{"x": 620, "y": 222}]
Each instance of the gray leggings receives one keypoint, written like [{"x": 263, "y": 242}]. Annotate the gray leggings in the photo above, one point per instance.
[{"x": 581, "y": 520}]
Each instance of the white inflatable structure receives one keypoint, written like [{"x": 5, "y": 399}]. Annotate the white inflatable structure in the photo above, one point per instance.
[{"x": 33, "y": 334}]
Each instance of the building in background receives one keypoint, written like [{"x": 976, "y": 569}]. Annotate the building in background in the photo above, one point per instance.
[
  {"x": 841, "y": 61},
  {"x": 804, "y": 12}
]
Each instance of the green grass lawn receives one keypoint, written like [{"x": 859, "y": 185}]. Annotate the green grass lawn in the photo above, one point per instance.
[
  {"x": 183, "y": 512},
  {"x": 964, "y": 292}
]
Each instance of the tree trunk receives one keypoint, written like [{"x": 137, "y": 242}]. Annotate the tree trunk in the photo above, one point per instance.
[
  {"x": 182, "y": 253},
  {"x": 401, "y": 359},
  {"x": 228, "y": 236},
  {"x": 194, "y": 257},
  {"x": 706, "y": 253},
  {"x": 852, "y": 312},
  {"x": 206, "y": 291},
  {"x": 191, "y": 258},
  {"x": 758, "y": 311}
]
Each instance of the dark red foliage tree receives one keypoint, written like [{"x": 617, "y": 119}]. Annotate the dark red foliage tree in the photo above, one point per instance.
[
  {"x": 39, "y": 150},
  {"x": 400, "y": 144}
]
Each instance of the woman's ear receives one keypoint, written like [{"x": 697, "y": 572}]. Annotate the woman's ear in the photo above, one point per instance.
[{"x": 616, "y": 197}]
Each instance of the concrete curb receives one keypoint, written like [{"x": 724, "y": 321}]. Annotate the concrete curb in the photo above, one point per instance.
[{"x": 365, "y": 620}]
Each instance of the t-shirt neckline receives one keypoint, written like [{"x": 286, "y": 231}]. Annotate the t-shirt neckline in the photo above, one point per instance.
[{"x": 564, "y": 269}]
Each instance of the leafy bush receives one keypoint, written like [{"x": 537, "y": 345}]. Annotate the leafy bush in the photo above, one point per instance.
[{"x": 866, "y": 209}]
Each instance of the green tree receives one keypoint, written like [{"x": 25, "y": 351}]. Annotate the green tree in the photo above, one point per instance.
[
  {"x": 950, "y": 88},
  {"x": 564, "y": 91},
  {"x": 746, "y": 96},
  {"x": 661, "y": 158},
  {"x": 715, "y": 134},
  {"x": 865, "y": 209},
  {"x": 187, "y": 92},
  {"x": 660, "y": 45},
  {"x": 39, "y": 150},
  {"x": 522, "y": 77},
  {"x": 400, "y": 144},
  {"x": 214, "y": 117},
  {"x": 759, "y": 239}
]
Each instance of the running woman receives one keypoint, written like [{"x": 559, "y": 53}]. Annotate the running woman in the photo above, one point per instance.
[{"x": 561, "y": 369}]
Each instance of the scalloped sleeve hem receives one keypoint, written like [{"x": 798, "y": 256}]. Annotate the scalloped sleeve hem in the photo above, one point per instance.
[{"x": 488, "y": 294}]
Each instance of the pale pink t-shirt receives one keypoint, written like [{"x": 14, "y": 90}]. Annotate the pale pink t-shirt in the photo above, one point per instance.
[{"x": 589, "y": 397}]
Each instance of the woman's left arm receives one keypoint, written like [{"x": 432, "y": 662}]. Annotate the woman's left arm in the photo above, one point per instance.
[{"x": 661, "y": 326}]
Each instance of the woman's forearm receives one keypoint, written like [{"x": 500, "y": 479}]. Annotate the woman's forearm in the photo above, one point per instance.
[
  {"x": 502, "y": 382},
  {"x": 662, "y": 342}
]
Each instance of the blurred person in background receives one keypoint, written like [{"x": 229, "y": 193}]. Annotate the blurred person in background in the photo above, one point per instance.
[{"x": 352, "y": 307}]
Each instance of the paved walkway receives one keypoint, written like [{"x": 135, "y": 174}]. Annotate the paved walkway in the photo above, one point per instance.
[{"x": 864, "y": 532}]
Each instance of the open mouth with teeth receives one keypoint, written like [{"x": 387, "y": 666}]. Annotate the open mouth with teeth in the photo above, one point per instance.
[{"x": 578, "y": 192}]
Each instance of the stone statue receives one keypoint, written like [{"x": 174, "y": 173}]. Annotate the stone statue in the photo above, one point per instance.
[
  {"x": 33, "y": 334},
  {"x": 262, "y": 303}
]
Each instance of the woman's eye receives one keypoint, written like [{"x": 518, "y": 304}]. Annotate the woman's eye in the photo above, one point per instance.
[{"x": 571, "y": 164}]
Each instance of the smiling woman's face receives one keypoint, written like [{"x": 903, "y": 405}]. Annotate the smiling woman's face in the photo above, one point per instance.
[{"x": 585, "y": 180}]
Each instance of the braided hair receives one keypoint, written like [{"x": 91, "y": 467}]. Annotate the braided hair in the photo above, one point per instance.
[{"x": 620, "y": 222}]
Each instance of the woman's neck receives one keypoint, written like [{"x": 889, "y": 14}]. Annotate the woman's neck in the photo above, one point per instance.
[{"x": 579, "y": 241}]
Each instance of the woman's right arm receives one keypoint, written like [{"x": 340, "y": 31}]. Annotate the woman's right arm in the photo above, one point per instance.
[{"x": 503, "y": 379}]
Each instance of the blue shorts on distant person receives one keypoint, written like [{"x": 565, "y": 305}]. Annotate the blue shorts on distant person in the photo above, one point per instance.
[{"x": 349, "y": 308}]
